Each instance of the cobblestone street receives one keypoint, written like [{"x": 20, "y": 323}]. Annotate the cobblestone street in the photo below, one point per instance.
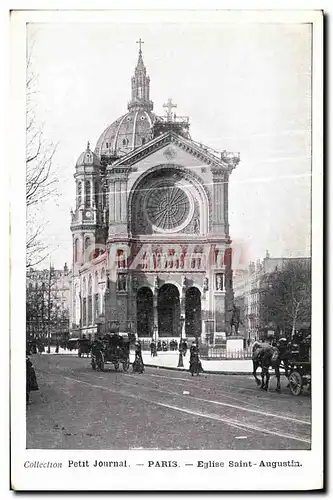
[{"x": 77, "y": 408}]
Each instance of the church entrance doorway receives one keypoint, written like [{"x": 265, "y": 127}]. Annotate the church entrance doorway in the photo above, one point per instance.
[
  {"x": 145, "y": 312},
  {"x": 168, "y": 310},
  {"x": 193, "y": 312}
]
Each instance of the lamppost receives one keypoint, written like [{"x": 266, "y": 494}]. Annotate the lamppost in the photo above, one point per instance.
[
  {"x": 181, "y": 325},
  {"x": 155, "y": 338}
]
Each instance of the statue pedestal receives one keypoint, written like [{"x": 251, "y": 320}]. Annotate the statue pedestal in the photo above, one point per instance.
[{"x": 234, "y": 344}]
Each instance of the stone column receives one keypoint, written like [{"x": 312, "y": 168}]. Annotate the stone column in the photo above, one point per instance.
[
  {"x": 117, "y": 201},
  {"x": 112, "y": 202},
  {"x": 155, "y": 303},
  {"x": 117, "y": 178},
  {"x": 92, "y": 199},
  {"x": 83, "y": 190},
  {"x": 218, "y": 200},
  {"x": 123, "y": 201},
  {"x": 156, "y": 337}
]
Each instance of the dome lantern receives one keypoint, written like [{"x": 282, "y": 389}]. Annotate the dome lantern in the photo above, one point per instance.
[
  {"x": 88, "y": 158},
  {"x": 140, "y": 83},
  {"x": 133, "y": 129}
]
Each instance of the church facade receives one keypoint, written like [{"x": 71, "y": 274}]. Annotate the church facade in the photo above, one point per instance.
[{"x": 151, "y": 243}]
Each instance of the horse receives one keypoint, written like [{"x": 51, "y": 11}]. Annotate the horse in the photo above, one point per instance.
[{"x": 265, "y": 355}]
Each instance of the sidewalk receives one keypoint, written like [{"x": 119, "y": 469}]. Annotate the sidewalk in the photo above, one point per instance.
[{"x": 169, "y": 360}]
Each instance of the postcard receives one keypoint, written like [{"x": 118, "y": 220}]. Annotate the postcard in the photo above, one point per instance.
[{"x": 172, "y": 271}]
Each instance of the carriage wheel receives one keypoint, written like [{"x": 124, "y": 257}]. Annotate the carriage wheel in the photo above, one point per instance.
[
  {"x": 116, "y": 366},
  {"x": 295, "y": 383},
  {"x": 126, "y": 365}
]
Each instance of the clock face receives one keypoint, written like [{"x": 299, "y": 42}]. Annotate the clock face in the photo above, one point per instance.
[{"x": 88, "y": 215}]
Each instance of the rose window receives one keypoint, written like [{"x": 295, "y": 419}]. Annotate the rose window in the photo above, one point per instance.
[{"x": 167, "y": 207}]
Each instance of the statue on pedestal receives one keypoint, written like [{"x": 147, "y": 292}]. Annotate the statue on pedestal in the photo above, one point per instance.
[
  {"x": 206, "y": 284},
  {"x": 235, "y": 319}
]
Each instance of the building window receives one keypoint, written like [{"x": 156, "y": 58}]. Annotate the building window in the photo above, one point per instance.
[
  {"x": 96, "y": 305},
  {"x": 89, "y": 309},
  {"x": 79, "y": 194},
  {"x": 122, "y": 283},
  {"x": 121, "y": 259},
  {"x": 84, "y": 311},
  {"x": 90, "y": 301},
  {"x": 88, "y": 251},
  {"x": 96, "y": 194},
  {"x": 76, "y": 250},
  {"x": 87, "y": 193}
]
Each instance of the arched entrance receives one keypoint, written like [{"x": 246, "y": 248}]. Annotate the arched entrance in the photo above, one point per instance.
[
  {"x": 145, "y": 312},
  {"x": 193, "y": 312},
  {"x": 168, "y": 311}
]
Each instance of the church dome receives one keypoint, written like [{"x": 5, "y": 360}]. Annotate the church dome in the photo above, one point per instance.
[
  {"x": 130, "y": 131},
  {"x": 133, "y": 129},
  {"x": 88, "y": 158}
]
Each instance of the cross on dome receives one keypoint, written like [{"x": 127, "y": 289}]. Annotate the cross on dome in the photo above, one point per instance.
[
  {"x": 140, "y": 42},
  {"x": 169, "y": 107}
]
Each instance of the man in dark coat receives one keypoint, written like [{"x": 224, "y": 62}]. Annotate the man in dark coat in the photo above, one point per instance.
[
  {"x": 152, "y": 348},
  {"x": 31, "y": 380},
  {"x": 138, "y": 365}
]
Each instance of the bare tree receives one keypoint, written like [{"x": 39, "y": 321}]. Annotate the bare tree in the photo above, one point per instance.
[
  {"x": 40, "y": 176},
  {"x": 285, "y": 297},
  {"x": 47, "y": 315}
]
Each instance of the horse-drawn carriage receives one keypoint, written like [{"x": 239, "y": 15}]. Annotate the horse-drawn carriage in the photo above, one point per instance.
[
  {"x": 299, "y": 365},
  {"x": 113, "y": 349},
  {"x": 294, "y": 357}
]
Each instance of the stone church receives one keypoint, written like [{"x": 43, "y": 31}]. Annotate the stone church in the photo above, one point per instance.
[{"x": 151, "y": 244}]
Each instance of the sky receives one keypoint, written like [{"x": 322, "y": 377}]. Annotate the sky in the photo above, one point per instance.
[{"x": 246, "y": 88}]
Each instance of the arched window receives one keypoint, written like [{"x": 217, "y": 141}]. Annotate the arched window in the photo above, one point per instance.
[
  {"x": 76, "y": 250},
  {"x": 87, "y": 249},
  {"x": 84, "y": 302},
  {"x": 87, "y": 193},
  {"x": 96, "y": 194},
  {"x": 90, "y": 300},
  {"x": 96, "y": 296},
  {"x": 79, "y": 194}
]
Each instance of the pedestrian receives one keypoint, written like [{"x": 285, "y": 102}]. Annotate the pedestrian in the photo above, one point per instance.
[
  {"x": 195, "y": 363},
  {"x": 31, "y": 380},
  {"x": 138, "y": 366},
  {"x": 152, "y": 348}
]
